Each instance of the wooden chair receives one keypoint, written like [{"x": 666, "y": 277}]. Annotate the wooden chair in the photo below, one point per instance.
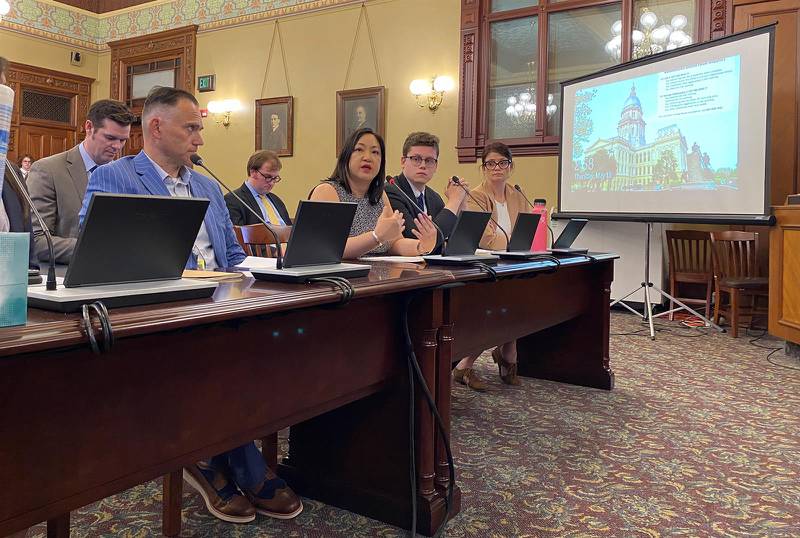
[
  {"x": 690, "y": 263},
  {"x": 736, "y": 274},
  {"x": 256, "y": 240}
]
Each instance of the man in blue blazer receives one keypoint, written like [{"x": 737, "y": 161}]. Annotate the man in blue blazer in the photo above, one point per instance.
[{"x": 236, "y": 484}]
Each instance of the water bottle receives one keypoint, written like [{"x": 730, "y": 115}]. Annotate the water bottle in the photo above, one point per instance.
[{"x": 540, "y": 239}]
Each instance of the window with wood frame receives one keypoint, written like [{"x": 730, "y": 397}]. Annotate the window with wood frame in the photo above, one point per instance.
[{"x": 516, "y": 53}]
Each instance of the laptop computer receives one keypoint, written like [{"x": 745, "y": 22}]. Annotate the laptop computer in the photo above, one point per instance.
[
  {"x": 563, "y": 245},
  {"x": 316, "y": 244},
  {"x": 131, "y": 250},
  {"x": 463, "y": 241},
  {"x": 519, "y": 244}
]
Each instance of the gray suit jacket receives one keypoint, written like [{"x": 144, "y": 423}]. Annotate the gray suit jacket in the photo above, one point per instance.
[{"x": 57, "y": 185}]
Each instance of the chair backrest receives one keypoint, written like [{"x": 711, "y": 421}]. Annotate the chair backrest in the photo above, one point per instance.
[
  {"x": 735, "y": 254},
  {"x": 256, "y": 240},
  {"x": 689, "y": 252}
]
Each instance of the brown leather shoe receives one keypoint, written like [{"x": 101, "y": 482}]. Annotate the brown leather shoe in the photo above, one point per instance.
[
  {"x": 275, "y": 499},
  {"x": 510, "y": 377},
  {"x": 470, "y": 378},
  {"x": 223, "y": 499}
]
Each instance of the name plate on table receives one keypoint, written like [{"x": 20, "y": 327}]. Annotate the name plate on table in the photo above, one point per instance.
[{"x": 13, "y": 278}]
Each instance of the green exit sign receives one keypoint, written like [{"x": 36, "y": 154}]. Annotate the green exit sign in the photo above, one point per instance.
[{"x": 206, "y": 83}]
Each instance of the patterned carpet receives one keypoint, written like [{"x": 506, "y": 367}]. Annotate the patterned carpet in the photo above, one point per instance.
[{"x": 700, "y": 437}]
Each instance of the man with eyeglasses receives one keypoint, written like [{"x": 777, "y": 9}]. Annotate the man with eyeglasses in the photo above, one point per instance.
[
  {"x": 419, "y": 163},
  {"x": 263, "y": 169}
]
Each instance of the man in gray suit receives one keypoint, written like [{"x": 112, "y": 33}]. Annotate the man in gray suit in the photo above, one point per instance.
[{"x": 57, "y": 183}]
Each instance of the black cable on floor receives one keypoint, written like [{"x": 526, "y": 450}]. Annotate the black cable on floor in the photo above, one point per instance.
[{"x": 414, "y": 365}]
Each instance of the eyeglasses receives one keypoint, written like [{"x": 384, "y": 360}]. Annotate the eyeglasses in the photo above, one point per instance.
[
  {"x": 271, "y": 179},
  {"x": 418, "y": 160},
  {"x": 502, "y": 165}
]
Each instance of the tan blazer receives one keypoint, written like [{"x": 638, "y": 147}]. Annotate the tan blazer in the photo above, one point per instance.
[
  {"x": 57, "y": 185},
  {"x": 495, "y": 240}
]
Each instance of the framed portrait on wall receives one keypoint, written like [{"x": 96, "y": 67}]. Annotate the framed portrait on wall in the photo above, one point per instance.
[
  {"x": 356, "y": 109},
  {"x": 275, "y": 125}
]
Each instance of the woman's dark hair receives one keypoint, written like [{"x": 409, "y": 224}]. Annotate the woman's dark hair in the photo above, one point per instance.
[
  {"x": 342, "y": 171},
  {"x": 496, "y": 147}
]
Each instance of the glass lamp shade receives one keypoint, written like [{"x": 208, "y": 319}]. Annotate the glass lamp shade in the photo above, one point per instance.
[
  {"x": 215, "y": 107},
  {"x": 443, "y": 84},
  {"x": 616, "y": 28},
  {"x": 512, "y": 101},
  {"x": 679, "y": 22},
  {"x": 648, "y": 20},
  {"x": 661, "y": 34},
  {"x": 420, "y": 87},
  {"x": 637, "y": 36},
  {"x": 525, "y": 97},
  {"x": 677, "y": 37},
  {"x": 231, "y": 105}
]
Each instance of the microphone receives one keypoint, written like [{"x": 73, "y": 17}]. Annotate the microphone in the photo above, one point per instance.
[
  {"x": 392, "y": 181},
  {"x": 549, "y": 229},
  {"x": 458, "y": 182},
  {"x": 51, "y": 271},
  {"x": 195, "y": 158}
]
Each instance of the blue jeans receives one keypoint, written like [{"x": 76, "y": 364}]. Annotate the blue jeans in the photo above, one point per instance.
[{"x": 244, "y": 465}]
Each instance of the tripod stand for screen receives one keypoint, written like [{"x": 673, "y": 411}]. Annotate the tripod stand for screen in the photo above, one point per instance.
[{"x": 647, "y": 315}]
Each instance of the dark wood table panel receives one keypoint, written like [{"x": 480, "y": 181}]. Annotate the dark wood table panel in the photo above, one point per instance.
[{"x": 184, "y": 381}]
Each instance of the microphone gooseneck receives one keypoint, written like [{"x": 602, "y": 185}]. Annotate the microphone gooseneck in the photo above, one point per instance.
[
  {"x": 458, "y": 182},
  {"x": 197, "y": 160},
  {"x": 519, "y": 190},
  {"x": 51, "y": 271},
  {"x": 393, "y": 181}
]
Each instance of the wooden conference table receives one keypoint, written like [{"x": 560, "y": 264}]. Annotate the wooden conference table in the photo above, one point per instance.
[{"x": 187, "y": 380}]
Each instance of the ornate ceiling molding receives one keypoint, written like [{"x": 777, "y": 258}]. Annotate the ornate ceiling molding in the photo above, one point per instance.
[{"x": 58, "y": 22}]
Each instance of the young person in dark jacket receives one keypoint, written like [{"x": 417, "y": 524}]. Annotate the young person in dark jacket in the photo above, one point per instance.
[{"x": 419, "y": 163}]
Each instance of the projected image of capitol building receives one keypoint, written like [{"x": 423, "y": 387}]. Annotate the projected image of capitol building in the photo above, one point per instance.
[{"x": 627, "y": 162}]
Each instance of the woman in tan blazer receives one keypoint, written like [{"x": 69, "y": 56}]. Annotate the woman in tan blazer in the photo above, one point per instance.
[{"x": 506, "y": 203}]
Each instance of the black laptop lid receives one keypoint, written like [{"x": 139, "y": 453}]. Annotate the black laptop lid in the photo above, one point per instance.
[
  {"x": 133, "y": 238},
  {"x": 466, "y": 233},
  {"x": 570, "y": 233},
  {"x": 319, "y": 233},
  {"x": 524, "y": 231}
]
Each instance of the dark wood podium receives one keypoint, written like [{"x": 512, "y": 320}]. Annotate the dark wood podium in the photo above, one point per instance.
[{"x": 784, "y": 274}]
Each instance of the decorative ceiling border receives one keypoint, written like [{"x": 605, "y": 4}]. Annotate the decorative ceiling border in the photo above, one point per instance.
[{"x": 64, "y": 24}]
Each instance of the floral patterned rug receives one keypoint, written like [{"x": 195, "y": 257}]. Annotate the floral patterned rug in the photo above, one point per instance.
[{"x": 700, "y": 437}]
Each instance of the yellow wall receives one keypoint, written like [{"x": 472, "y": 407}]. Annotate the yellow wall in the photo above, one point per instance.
[
  {"x": 51, "y": 55},
  {"x": 412, "y": 39}
]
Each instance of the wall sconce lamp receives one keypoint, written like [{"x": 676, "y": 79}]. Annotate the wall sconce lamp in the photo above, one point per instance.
[
  {"x": 430, "y": 93},
  {"x": 222, "y": 110}
]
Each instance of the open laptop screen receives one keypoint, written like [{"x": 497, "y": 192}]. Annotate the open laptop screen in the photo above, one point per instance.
[
  {"x": 134, "y": 238},
  {"x": 570, "y": 233},
  {"x": 319, "y": 233},
  {"x": 524, "y": 231},
  {"x": 467, "y": 232}
]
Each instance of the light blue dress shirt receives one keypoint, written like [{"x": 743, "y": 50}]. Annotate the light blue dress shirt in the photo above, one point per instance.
[{"x": 264, "y": 209}]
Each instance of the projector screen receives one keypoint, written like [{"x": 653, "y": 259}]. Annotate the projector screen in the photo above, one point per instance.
[{"x": 680, "y": 136}]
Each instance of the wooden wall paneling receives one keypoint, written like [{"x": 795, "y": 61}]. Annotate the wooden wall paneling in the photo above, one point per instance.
[
  {"x": 784, "y": 150},
  {"x": 180, "y": 43},
  {"x": 469, "y": 96},
  {"x": 46, "y": 136}
]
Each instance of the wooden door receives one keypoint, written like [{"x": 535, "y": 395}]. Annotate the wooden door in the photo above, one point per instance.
[
  {"x": 41, "y": 142},
  {"x": 135, "y": 142},
  {"x": 785, "y": 129}
]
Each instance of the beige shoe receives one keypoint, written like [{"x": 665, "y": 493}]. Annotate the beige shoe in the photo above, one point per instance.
[{"x": 470, "y": 378}]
